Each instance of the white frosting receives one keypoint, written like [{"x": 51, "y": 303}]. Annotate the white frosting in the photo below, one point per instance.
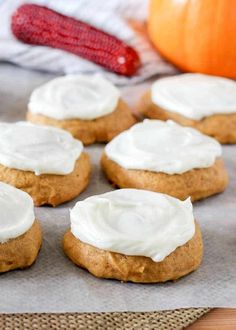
[
  {"x": 160, "y": 146},
  {"x": 17, "y": 212},
  {"x": 39, "y": 149},
  {"x": 75, "y": 96},
  {"x": 195, "y": 96},
  {"x": 134, "y": 222}
]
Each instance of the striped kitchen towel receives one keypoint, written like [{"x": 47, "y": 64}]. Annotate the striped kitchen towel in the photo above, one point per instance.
[{"x": 122, "y": 18}]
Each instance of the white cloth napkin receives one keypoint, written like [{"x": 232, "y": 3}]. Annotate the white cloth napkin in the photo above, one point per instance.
[{"x": 111, "y": 16}]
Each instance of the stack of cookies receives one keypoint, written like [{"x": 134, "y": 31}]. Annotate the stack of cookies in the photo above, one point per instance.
[{"x": 144, "y": 232}]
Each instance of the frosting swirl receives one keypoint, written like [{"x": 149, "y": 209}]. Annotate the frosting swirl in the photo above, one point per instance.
[
  {"x": 134, "y": 222},
  {"x": 83, "y": 97},
  {"x": 160, "y": 146},
  {"x": 17, "y": 212},
  {"x": 195, "y": 96},
  {"x": 39, "y": 149}
]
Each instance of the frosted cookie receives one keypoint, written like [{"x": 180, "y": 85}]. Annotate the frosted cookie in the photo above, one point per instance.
[
  {"x": 165, "y": 157},
  {"x": 46, "y": 162},
  {"x": 204, "y": 102},
  {"x": 134, "y": 235},
  {"x": 88, "y": 106},
  {"x": 20, "y": 233}
]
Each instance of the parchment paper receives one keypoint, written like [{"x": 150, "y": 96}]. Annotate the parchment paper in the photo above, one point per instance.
[{"x": 55, "y": 284}]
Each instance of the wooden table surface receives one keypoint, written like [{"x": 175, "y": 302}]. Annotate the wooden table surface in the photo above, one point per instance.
[{"x": 217, "y": 319}]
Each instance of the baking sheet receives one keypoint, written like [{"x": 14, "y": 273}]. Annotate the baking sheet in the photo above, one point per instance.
[{"x": 55, "y": 284}]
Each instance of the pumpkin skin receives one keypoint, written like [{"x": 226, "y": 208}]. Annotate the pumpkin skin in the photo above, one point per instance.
[{"x": 195, "y": 35}]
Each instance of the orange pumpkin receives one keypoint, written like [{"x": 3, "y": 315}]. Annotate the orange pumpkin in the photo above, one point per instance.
[{"x": 196, "y": 35}]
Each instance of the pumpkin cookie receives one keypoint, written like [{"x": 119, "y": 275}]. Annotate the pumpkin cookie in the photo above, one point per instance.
[
  {"x": 167, "y": 158},
  {"x": 20, "y": 233},
  {"x": 46, "y": 162},
  {"x": 204, "y": 102},
  {"x": 134, "y": 235},
  {"x": 89, "y": 107}
]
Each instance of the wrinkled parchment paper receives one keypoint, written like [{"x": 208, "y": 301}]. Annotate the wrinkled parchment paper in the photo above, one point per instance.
[{"x": 55, "y": 284}]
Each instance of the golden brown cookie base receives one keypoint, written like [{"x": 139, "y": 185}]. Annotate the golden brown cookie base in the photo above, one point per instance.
[
  {"x": 221, "y": 127},
  {"x": 21, "y": 252},
  {"x": 106, "y": 264},
  {"x": 102, "y": 129},
  {"x": 50, "y": 189},
  {"x": 196, "y": 183}
]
